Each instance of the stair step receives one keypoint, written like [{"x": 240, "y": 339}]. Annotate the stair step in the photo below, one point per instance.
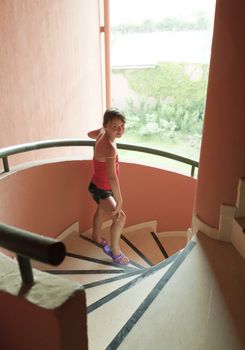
[
  {"x": 114, "y": 310},
  {"x": 201, "y": 307},
  {"x": 143, "y": 240},
  {"x": 125, "y": 337},
  {"x": 85, "y": 262},
  {"x": 172, "y": 241},
  {"x": 127, "y": 250},
  {"x": 77, "y": 244},
  {"x": 130, "y": 249},
  {"x": 94, "y": 295},
  {"x": 83, "y": 272},
  {"x": 110, "y": 279}
]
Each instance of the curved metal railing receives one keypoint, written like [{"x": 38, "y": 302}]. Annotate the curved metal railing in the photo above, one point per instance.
[
  {"x": 28, "y": 245},
  {"x": 8, "y": 151}
]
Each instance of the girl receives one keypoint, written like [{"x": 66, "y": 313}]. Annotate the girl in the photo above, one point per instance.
[{"x": 105, "y": 187}]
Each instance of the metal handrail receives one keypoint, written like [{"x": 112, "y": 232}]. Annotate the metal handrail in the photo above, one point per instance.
[
  {"x": 28, "y": 245},
  {"x": 7, "y": 151}
]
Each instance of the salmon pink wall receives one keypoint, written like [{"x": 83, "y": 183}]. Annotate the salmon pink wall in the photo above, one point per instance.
[
  {"x": 222, "y": 160},
  {"x": 31, "y": 324},
  {"x": 154, "y": 194},
  {"x": 34, "y": 318},
  {"x": 48, "y": 198},
  {"x": 50, "y": 78}
]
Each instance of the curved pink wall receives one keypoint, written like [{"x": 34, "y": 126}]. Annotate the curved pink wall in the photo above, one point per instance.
[
  {"x": 48, "y": 198},
  {"x": 154, "y": 194},
  {"x": 223, "y": 147},
  {"x": 50, "y": 78}
]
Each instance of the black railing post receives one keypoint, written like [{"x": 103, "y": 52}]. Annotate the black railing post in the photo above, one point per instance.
[
  {"x": 5, "y": 164},
  {"x": 25, "y": 270},
  {"x": 192, "y": 170}
]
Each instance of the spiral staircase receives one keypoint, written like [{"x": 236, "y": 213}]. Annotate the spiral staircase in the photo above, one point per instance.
[
  {"x": 118, "y": 296},
  {"x": 164, "y": 298}
]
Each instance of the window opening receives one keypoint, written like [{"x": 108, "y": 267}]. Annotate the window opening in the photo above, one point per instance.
[{"x": 160, "y": 53}]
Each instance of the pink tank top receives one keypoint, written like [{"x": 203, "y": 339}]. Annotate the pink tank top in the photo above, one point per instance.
[{"x": 100, "y": 177}]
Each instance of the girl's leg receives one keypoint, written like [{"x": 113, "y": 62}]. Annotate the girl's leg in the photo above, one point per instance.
[
  {"x": 108, "y": 205},
  {"x": 98, "y": 220},
  {"x": 116, "y": 231}
]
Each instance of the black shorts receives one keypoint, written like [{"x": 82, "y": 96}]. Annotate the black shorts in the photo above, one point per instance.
[{"x": 98, "y": 193}]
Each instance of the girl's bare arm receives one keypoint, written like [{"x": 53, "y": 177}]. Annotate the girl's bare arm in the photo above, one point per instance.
[{"x": 95, "y": 133}]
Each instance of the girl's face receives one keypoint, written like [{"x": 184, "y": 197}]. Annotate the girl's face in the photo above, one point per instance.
[{"x": 115, "y": 128}]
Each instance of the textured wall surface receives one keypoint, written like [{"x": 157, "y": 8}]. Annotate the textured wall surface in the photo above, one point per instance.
[
  {"x": 46, "y": 315},
  {"x": 50, "y": 78}
]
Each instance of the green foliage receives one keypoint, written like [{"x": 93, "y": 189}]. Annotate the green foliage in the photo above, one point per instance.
[
  {"x": 176, "y": 81},
  {"x": 147, "y": 118},
  {"x": 201, "y": 22},
  {"x": 171, "y": 103}
]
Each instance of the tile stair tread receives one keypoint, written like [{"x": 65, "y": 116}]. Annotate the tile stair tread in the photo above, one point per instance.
[
  {"x": 76, "y": 244},
  {"x": 172, "y": 244},
  {"x": 103, "y": 324},
  {"x": 125, "y": 248},
  {"x": 88, "y": 278},
  {"x": 75, "y": 264},
  {"x": 96, "y": 293},
  {"x": 197, "y": 310},
  {"x": 71, "y": 263},
  {"x": 144, "y": 241},
  {"x": 82, "y": 247}
]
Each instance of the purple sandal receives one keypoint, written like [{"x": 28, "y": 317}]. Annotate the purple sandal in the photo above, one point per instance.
[
  {"x": 118, "y": 259},
  {"x": 107, "y": 250}
]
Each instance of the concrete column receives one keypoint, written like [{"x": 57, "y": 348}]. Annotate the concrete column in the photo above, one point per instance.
[{"x": 222, "y": 159}]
